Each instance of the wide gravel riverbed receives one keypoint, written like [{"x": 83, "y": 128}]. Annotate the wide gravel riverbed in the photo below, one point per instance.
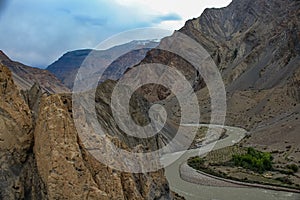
[{"x": 192, "y": 191}]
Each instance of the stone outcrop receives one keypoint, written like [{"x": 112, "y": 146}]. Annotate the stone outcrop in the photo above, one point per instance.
[
  {"x": 294, "y": 86},
  {"x": 43, "y": 158},
  {"x": 73, "y": 173},
  {"x": 18, "y": 172}
]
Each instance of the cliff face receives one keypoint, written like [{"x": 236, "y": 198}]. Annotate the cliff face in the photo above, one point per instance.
[
  {"x": 18, "y": 172},
  {"x": 73, "y": 173},
  {"x": 25, "y": 77},
  {"x": 43, "y": 158}
]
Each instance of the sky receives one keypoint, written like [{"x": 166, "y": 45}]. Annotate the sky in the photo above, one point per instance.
[{"x": 38, "y": 32}]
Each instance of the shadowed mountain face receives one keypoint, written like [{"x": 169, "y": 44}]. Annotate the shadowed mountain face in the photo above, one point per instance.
[
  {"x": 25, "y": 77},
  {"x": 66, "y": 67}
]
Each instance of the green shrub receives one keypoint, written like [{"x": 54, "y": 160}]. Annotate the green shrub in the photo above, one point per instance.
[
  {"x": 196, "y": 162},
  {"x": 293, "y": 167},
  {"x": 254, "y": 160}
]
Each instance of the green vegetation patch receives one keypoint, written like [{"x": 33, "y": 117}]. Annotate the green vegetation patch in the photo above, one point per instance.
[
  {"x": 254, "y": 160},
  {"x": 196, "y": 162},
  {"x": 293, "y": 167},
  {"x": 246, "y": 165}
]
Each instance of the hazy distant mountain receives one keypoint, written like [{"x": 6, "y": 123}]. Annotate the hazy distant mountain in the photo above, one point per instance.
[
  {"x": 25, "y": 76},
  {"x": 66, "y": 67}
]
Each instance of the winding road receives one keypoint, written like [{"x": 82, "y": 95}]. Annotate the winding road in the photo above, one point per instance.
[{"x": 191, "y": 191}]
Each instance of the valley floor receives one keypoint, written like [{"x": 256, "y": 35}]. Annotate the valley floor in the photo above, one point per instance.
[
  {"x": 195, "y": 191},
  {"x": 198, "y": 177}
]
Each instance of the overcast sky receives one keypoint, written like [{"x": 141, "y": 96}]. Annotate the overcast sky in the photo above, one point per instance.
[{"x": 37, "y": 32}]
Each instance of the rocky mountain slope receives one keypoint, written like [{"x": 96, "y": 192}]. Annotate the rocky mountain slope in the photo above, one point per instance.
[
  {"x": 43, "y": 158},
  {"x": 256, "y": 46},
  {"x": 25, "y": 77},
  {"x": 255, "y": 43},
  {"x": 66, "y": 67}
]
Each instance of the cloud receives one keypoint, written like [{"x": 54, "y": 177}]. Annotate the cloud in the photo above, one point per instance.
[
  {"x": 2, "y": 5},
  {"x": 38, "y": 32},
  {"x": 167, "y": 17},
  {"x": 87, "y": 20}
]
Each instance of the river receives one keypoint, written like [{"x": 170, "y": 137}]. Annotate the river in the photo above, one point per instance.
[{"x": 191, "y": 191}]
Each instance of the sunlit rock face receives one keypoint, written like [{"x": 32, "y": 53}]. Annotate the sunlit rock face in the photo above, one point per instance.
[{"x": 43, "y": 158}]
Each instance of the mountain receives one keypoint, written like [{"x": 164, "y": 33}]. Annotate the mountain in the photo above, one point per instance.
[
  {"x": 66, "y": 67},
  {"x": 256, "y": 47},
  {"x": 25, "y": 76},
  {"x": 42, "y": 156}
]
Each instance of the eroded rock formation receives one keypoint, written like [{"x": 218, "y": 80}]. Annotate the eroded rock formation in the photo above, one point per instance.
[{"x": 43, "y": 158}]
